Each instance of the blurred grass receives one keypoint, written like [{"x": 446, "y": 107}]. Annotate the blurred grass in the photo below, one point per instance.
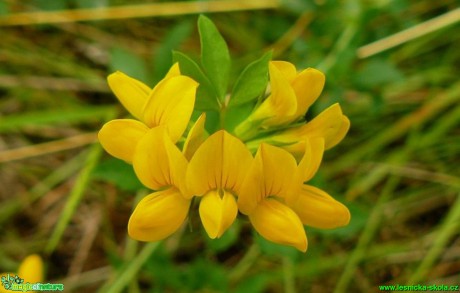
[{"x": 397, "y": 170}]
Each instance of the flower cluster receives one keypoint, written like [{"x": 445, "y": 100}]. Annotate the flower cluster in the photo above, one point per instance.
[{"x": 259, "y": 168}]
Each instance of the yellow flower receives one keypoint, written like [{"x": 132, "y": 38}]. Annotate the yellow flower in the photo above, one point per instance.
[
  {"x": 315, "y": 207},
  {"x": 277, "y": 202},
  {"x": 307, "y": 85},
  {"x": 216, "y": 172},
  {"x": 161, "y": 166},
  {"x": 30, "y": 270},
  {"x": 169, "y": 103},
  {"x": 262, "y": 198},
  {"x": 291, "y": 95},
  {"x": 331, "y": 125}
]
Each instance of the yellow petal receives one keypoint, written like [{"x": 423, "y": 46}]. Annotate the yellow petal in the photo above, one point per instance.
[
  {"x": 217, "y": 212},
  {"x": 281, "y": 105},
  {"x": 221, "y": 161},
  {"x": 327, "y": 124},
  {"x": 278, "y": 223},
  {"x": 158, "y": 162},
  {"x": 318, "y": 209},
  {"x": 311, "y": 160},
  {"x": 31, "y": 269},
  {"x": 131, "y": 93},
  {"x": 158, "y": 215},
  {"x": 286, "y": 68},
  {"x": 307, "y": 86},
  {"x": 173, "y": 71},
  {"x": 120, "y": 137},
  {"x": 196, "y": 136},
  {"x": 296, "y": 148},
  {"x": 252, "y": 191},
  {"x": 271, "y": 174},
  {"x": 340, "y": 134},
  {"x": 171, "y": 104}
]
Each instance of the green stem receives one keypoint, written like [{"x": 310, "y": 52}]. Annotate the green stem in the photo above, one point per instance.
[
  {"x": 131, "y": 244},
  {"x": 129, "y": 271}
]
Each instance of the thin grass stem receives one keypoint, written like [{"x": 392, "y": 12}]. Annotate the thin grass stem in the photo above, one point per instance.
[
  {"x": 448, "y": 229},
  {"x": 75, "y": 197},
  {"x": 124, "y": 276}
]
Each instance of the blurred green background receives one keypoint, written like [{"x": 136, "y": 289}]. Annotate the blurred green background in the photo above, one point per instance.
[{"x": 397, "y": 170}]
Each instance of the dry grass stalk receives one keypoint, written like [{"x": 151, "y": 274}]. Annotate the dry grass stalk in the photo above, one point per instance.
[
  {"x": 134, "y": 11},
  {"x": 48, "y": 147},
  {"x": 409, "y": 34}
]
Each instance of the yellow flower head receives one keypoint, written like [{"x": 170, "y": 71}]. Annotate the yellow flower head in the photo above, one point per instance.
[
  {"x": 220, "y": 170},
  {"x": 170, "y": 103},
  {"x": 30, "y": 270},
  {"x": 216, "y": 172},
  {"x": 278, "y": 204},
  {"x": 263, "y": 197},
  {"x": 291, "y": 95}
]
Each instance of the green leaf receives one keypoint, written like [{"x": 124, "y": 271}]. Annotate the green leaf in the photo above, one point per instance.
[
  {"x": 206, "y": 97},
  {"x": 215, "y": 57},
  {"x": 252, "y": 81}
]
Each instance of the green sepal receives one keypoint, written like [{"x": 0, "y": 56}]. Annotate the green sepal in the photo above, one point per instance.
[
  {"x": 252, "y": 82},
  {"x": 215, "y": 57},
  {"x": 206, "y": 98}
]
